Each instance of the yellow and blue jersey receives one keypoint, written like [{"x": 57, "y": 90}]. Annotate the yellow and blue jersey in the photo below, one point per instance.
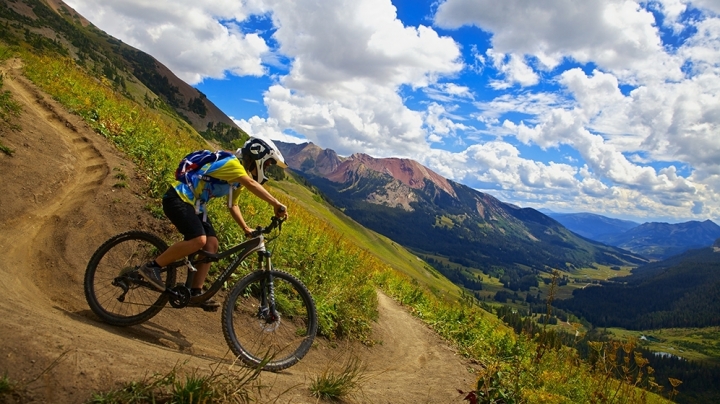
[{"x": 199, "y": 192}]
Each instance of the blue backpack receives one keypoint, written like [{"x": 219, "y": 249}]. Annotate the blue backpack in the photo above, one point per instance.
[{"x": 193, "y": 162}]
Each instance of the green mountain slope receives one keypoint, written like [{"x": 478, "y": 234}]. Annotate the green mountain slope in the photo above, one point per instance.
[
  {"x": 683, "y": 291},
  {"x": 54, "y": 27},
  {"x": 388, "y": 251}
]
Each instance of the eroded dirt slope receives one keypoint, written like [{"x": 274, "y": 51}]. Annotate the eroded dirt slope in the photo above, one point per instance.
[{"x": 58, "y": 202}]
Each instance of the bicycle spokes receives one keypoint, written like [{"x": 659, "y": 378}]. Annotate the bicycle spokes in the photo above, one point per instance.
[{"x": 113, "y": 287}]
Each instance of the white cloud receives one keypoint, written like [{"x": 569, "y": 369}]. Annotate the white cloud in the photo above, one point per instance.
[
  {"x": 349, "y": 60},
  {"x": 514, "y": 69},
  {"x": 346, "y": 41},
  {"x": 532, "y": 105},
  {"x": 618, "y": 35},
  {"x": 441, "y": 125},
  {"x": 373, "y": 122},
  {"x": 711, "y": 5},
  {"x": 448, "y": 92},
  {"x": 184, "y": 35}
]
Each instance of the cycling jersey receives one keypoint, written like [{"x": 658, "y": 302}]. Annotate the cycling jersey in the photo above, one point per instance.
[{"x": 201, "y": 191}]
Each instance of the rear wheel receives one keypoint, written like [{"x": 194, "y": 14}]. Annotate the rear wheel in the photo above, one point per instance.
[
  {"x": 113, "y": 288},
  {"x": 260, "y": 336}
]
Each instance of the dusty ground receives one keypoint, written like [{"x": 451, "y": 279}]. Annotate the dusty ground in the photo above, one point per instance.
[{"x": 58, "y": 203}]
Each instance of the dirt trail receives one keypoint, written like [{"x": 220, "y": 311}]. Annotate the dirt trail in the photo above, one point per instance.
[{"x": 59, "y": 201}]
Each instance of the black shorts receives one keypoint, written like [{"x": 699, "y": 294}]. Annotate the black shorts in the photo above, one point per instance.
[{"x": 183, "y": 216}]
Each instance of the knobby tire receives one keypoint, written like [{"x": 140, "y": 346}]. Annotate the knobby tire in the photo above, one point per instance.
[
  {"x": 272, "y": 345},
  {"x": 120, "y": 256}
]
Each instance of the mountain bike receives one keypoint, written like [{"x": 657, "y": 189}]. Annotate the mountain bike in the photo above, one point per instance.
[{"x": 268, "y": 318}]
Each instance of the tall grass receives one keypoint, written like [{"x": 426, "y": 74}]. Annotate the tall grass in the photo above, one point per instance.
[
  {"x": 340, "y": 380},
  {"x": 153, "y": 141},
  {"x": 9, "y": 109},
  {"x": 186, "y": 387}
]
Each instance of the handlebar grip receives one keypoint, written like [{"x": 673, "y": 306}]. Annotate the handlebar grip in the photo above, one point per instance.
[{"x": 274, "y": 222}]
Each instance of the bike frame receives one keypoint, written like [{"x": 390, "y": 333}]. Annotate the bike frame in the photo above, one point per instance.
[{"x": 256, "y": 244}]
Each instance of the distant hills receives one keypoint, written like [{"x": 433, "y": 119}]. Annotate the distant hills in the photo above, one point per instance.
[
  {"x": 590, "y": 225},
  {"x": 439, "y": 218},
  {"x": 664, "y": 240},
  {"x": 652, "y": 240}
]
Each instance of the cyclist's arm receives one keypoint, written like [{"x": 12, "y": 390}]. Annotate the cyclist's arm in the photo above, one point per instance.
[
  {"x": 237, "y": 215},
  {"x": 258, "y": 190}
]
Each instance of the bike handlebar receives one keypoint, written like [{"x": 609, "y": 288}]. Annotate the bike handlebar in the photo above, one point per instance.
[{"x": 274, "y": 222}]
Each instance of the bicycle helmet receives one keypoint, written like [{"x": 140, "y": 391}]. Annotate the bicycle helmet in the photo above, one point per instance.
[{"x": 264, "y": 153}]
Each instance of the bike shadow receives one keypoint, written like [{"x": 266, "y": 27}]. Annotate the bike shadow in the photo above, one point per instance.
[
  {"x": 152, "y": 333},
  {"x": 148, "y": 331}
]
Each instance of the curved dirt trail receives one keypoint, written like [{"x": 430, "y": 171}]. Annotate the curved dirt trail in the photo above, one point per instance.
[{"x": 60, "y": 198}]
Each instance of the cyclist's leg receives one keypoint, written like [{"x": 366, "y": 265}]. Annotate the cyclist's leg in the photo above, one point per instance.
[
  {"x": 211, "y": 245},
  {"x": 196, "y": 289},
  {"x": 182, "y": 215}
]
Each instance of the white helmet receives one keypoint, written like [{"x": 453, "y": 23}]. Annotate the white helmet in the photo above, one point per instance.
[{"x": 264, "y": 153}]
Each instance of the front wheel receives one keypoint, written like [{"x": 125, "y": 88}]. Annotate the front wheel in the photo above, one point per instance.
[
  {"x": 260, "y": 335},
  {"x": 113, "y": 288}
]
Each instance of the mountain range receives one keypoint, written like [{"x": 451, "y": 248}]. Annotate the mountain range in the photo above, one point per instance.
[
  {"x": 652, "y": 240},
  {"x": 440, "y": 218},
  {"x": 590, "y": 225}
]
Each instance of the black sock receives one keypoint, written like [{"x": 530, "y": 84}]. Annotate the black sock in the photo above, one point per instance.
[
  {"x": 154, "y": 264},
  {"x": 195, "y": 291}
]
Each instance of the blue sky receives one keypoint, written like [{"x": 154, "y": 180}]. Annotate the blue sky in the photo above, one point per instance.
[{"x": 603, "y": 106}]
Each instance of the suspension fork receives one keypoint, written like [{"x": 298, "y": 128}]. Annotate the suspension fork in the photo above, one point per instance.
[{"x": 268, "y": 309}]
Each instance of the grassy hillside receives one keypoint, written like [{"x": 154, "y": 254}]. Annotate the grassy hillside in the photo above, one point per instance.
[{"x": 389, "y": 252}]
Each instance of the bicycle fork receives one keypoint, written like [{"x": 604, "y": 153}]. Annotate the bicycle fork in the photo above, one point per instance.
[{"x": 267, "y": 311}]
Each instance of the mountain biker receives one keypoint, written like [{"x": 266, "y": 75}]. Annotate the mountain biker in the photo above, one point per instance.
[{"x": 186, "y": 207}]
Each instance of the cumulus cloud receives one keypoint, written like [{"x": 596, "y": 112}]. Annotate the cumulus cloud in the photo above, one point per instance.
[
  {"x": 711, "y": 5},
  {"x": 617, "y": 35},
  {"x": 185, "y": 35},
  {"x": 514, "y": 70},
  {"x": 349, "y": 60},
  {"x": 346, "y": 42},
  {"x": 373, "y": 122},
  {"x": 441, "y": 126}
]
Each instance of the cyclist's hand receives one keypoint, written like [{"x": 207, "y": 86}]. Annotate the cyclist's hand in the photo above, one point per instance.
[
  {"x": 248, "y": 232},
  {"x": 281, "y": 211}
]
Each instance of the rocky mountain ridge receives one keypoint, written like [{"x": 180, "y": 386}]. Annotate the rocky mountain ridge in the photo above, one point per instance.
[{"x": 312, "y": 159}]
